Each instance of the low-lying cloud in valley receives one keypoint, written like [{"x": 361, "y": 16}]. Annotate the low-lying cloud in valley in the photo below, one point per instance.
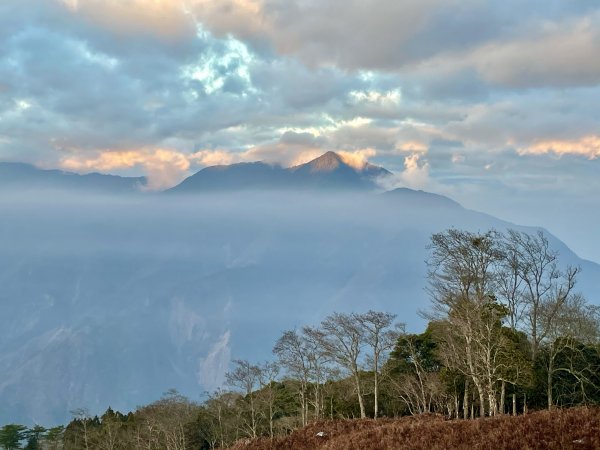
[{"x": 168, "y": 288}]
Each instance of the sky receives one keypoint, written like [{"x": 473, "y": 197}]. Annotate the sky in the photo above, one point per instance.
[{"x": 493, "y": 103}]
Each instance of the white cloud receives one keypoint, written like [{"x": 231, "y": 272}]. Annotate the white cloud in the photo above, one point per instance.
[
  {"x": 358, "y": 158},
  {"x": 415, "y": 175},
  {"x": 414, "y": 147},
  {"x": 163, "y": 167},
  {"x": 416, "y": 171},
  {"x": 588, "y": 146}
]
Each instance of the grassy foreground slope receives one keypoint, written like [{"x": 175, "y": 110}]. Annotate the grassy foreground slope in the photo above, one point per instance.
[{"x": 576, "y": 428}]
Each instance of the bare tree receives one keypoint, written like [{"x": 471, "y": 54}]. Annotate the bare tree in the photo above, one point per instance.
[
  {"x": 413, "y": 372},
  {"x": 295, "y": 354},
  {"x": 462, "y": 277},
  {"x": 381, "y": 338},
  {"x": 83, "y": 417},
  {"x": 546, "y": 286},
  {"x": 565, "y": 325},
  {"x": 510, "y": 285},
  {"x": 246, "y": 377},
  {"x": 266, "y": 377},
  {"x": 341, "y": 338},
  {"x": 216, "y": 424},
  {"x": 163, "y": 423}
]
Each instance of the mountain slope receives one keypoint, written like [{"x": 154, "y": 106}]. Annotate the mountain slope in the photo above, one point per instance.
[
  {"x": 242, "y": 176},
  {"x": 420, "y": 198}
]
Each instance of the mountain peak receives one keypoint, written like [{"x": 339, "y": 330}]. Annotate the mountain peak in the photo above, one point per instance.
[
  {"x": 327, "y": 162},
  {"x": 329, "y": 171}
]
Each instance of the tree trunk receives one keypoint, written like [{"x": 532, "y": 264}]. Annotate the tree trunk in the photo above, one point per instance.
[
  {"x": 331, "y": 407},
  {"x": 376, "y": 391},
  {"x": 549, "y": 390},
  {"x": 317, "y": 402},
  {"x": 303, "y": 405},
  {"x": 477, "y": 383},
  {"x": 466, "y": 400},
  {"x": 502, "y": 396},
  {"x": 481, "y": 404},
  {"x": 514, "y": 398},
  {"x": 252, "y": 416},
  {"x": 492, "y": 403},
  {"x": 271, "y": 401},
  {"x": 361, "y": 403},
  {"x": 456, "y": 406}
]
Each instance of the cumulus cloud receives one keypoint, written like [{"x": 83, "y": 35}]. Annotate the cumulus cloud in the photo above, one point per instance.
[
  {"x": 416, "y": 171},
  {"x": 588, "y": 146},
  {"x": 415, "y": 147},
  {"x": 415, "y": 175},
  {"x": 359, "y": 158},
  {"x": 214, "y": 157},
  {"x": 164, "y": 168}
]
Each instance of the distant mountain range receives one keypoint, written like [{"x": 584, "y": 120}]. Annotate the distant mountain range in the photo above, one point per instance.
[
  {"x": 27, "y": 177},
  {"x": 113, "y": 302},
  {"x": 329, "y": 171}
]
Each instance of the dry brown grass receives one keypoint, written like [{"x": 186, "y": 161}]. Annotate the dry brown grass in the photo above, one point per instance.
[{"x": 576, "y": 428}]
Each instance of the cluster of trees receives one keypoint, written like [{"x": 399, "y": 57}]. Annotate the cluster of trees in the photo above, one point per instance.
[
  {"x": 505, "y": 316},
  {"x": 507, "y": 332},
  {"x": 36, "y": 437},
  {"x": 169, "y": 423}
]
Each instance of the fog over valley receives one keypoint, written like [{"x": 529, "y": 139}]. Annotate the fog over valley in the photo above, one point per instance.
[{"x": 112, "y": 299}]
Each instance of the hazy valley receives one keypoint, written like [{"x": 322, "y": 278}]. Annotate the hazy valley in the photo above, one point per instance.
[{"x": 111, "y": 297}]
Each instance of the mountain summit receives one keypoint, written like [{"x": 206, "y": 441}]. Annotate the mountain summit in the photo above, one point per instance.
[
  {"x": 327, "y": 162},
  {"x": 328, "y": 171}
]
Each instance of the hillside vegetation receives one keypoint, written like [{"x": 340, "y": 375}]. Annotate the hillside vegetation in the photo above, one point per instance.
[{"x": 575, "y": 428}]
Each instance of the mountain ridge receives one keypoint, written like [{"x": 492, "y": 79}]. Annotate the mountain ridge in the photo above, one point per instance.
[
  {"x": 23, "y": 176},
  {"x": 328, "y": 171}
]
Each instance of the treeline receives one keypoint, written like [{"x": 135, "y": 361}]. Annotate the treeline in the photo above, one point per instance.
[{"x": 507, "y": 333}]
